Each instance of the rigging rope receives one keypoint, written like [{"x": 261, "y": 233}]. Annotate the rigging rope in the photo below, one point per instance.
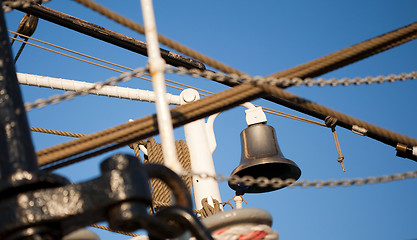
[
  {"x": 246, "y": 232},
  {"x": 115, "y": 231},
  {"x": 311, "y": 69},
  {"x": 142, "y": 128},
  {"x": 303, "y": 105},
  {"x": 104, "y": 61},
  {"x": 331, "y": 123},
  {"x": 320, "y": 184},
  {"x": 267, "y": 110},
  {"x": 86, "y": 61},
  {"x": 351, "y": 54},
  {"x": 97, "y": 59},
  {"x": 160, "y": 191},
  {"x": 56, "y": 132},
  {"x": 281, "y": 82},
  {"x": 207, "y": 209},
  {"x": 139, "y": 129},
  {"x": 162, "y": 39},
  {"x": 261, "y": 181}
]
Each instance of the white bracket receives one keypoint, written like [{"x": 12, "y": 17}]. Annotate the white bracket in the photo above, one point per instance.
[{"x": 255, "y": 115}]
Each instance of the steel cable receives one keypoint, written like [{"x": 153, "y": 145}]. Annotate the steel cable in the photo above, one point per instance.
[
  {"x": 145, "y": 127},
  {"x": 162, "y": 39},
  {"x": 351, "y": 54}
]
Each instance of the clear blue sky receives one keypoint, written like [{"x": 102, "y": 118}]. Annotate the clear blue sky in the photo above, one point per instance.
[{"x": 260, "y": 38}]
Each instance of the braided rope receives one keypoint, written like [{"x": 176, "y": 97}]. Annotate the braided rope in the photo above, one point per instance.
[
  {"x": 351, "y": 54},
  {"x": 145, "y": 127},
  {"x": 245, "y": 92},
  {"x": 303, "y": 105},
  {"x": 162, "y": 39},
  {"x": 207, "y": 209},
  {"x": 232, "y": 79},
  {"x": 57, "y": 132},
  {"x": 161, "y": 193},
  {"x": 115, "y": 231},
  {"x": 245, "y": 231}
]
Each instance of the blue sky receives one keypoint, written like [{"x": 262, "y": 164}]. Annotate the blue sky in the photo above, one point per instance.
[{"x": 259, "y": 38}]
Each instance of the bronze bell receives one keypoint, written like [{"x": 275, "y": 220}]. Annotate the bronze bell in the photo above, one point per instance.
[{"x": 262, "y": 157}]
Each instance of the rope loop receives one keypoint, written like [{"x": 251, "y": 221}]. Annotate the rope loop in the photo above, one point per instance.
[{"x": 330, "y": 122}]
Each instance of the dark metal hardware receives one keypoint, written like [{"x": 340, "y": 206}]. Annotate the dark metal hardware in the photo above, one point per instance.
[{"x": 38, "y": 205}]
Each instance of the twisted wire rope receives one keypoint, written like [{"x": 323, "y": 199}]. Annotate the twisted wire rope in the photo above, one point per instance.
[
  {"x": 202, "y": 108},
  {"x": 311, "y": 69},
  {"x": 276, "y": 92},
  {"x": 96, "y": 64},
  {"x": 100, "y": 60},
  {"x": 351, "y": 54},
  {"x": 141, "y": 128},
  {"x": 57, "y": 132},
  {"x": 290, "y": 100},
  {"x": 160, "y": 191},
  {"x": 344, "y": 183},
  {"x": 282, "y": 82},
  {"x": 113, "y": 230},
  {"x": 262, "y": 182},
  {"x": 162, "y": 39}
]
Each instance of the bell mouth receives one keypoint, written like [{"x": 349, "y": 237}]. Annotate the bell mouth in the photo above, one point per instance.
[{"x": 269, "y": 168}]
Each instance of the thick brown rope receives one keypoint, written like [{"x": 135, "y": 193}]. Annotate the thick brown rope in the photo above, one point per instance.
[
  {"x": 160, "y": 191},
  {"x": 302, "y": 105},
  {"x": 266, "y": 110},
  {"x": 130, "y": 132},
  {"x": 146, "y": 127},
  {"x": 56, "y": 132},
  {"x": 161, "y": 194},
  {"x": 351, "y": 54},
  {"x": 162, "y": 39},
  {"x": 207, "y": 209},
  {"x": 115, "y": 231},
  {"x": 185, "y": 160}
]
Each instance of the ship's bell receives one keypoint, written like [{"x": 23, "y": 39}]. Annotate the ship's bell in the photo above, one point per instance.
[{"x": 262, "y": 157}]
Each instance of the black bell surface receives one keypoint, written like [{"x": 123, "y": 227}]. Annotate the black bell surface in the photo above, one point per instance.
[{"x": 262, "y": 157}]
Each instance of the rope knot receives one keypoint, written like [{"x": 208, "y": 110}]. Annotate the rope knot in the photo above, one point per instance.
[{"x": 330, "y": 122}]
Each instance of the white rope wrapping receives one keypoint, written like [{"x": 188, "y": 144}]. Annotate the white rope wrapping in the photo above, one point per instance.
[
  {"x": 238, "y": 232},
  {"x": 245, "y": 231},
  {"x": 109, "y": 91}
]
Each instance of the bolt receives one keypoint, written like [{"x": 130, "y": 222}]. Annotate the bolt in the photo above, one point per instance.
[{"x": 189, "y": 95}]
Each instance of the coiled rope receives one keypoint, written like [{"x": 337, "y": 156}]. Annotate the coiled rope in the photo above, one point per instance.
[{"x": 161, "y": 194}]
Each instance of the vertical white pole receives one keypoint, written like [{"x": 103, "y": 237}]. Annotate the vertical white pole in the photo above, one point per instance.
[
  {"x": 201, "y": 155},
  {"x": 157, "y": 67}
]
